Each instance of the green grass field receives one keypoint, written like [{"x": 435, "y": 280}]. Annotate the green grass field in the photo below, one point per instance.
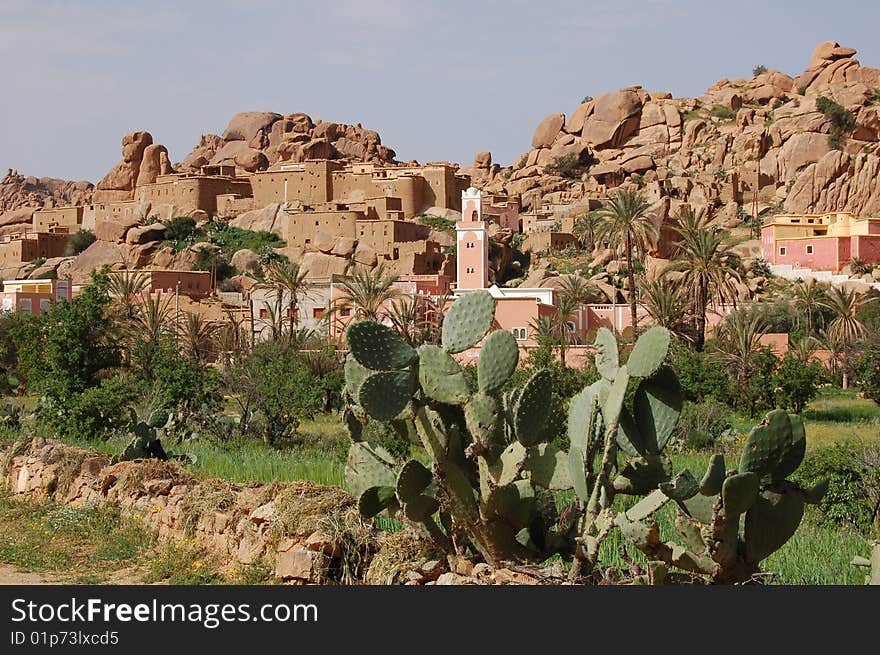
[{"x": 816, "y": 555}]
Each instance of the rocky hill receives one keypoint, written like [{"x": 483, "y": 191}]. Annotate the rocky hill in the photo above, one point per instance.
[
  {"x": 20, "y": 195},
  {"x": 772, "y": 132}
]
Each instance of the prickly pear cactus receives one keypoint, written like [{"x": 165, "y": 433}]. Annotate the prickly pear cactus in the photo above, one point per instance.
[
  {"x": 756, "y": 495},
  {"x": 492, "y": 472},
  {"x": 145, "y": 443}
]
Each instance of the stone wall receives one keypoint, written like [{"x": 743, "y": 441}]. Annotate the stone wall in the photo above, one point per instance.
[{"x": 308, "y": 533}]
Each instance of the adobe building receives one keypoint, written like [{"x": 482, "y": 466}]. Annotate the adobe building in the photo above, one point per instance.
[
  {"x": 503, "y": 210},
  {"x": 194, "y": 284},
  {"x": 58, "y": 219},
  {"x": 194, "y": 191},
  {"x": 33, "y": 297},
  {"x": 820, "y": 242},
  {"x": 320, "y": 181},
  {"x": 22, "y": 247}
]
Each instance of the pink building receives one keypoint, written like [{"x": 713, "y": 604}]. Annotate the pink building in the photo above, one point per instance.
[
  {"x": 33, "y": 297},
  {"x": 820, "y": 242}
]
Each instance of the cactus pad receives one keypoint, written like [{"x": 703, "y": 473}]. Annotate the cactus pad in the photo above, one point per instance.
[
  {"x": 412, "y": 480},
  {"x": 375, "y": 500},
  {"x": 530, "y": 419},
  {"x": 701, "y": 507},
  {"x": 498, "y": 359},
  {"x": 368, "y": 466},
  {"x": 794, "y": 453},
  {"x": 580, "y": 416},
  {"x": 468, "y": 320},
  {"x": 629, "y": 439},
  {"x": 420, "y": 508},
  {"x": 766, "y": 444},
  {"x": 738, "y": 493},
  {"x": 577, "y": 473},
  {"x": 681, "y": 487},
  {"x": 772, "y": 521},
  {"x": 816, "y": 493},
  {"x": 353, "y": 426},
  {"x": 607, "y": 357},
  {"x": 378, "y": 347},
  {"x": 513, "y": 502},
  {"x": 549, "y": 467},
  {"x": 355, "y": 374},
  {"x": 441, "y": 377},
  {"x": 385, "y": 394},
  {"x": 616, "y": 395},
  {"x": 158, "y": 418},
  {"x": 509, "y": 464},
  {"x": 649, "y": 352},
  {"x": 713, "y": 479},
  {"x": 481, "y": 416},
  {"x": 642, "y": 474},
  {"x": 657, "y": 406}
]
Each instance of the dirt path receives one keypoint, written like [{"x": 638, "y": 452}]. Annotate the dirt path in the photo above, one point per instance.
[{"x": 10, "y": 575}]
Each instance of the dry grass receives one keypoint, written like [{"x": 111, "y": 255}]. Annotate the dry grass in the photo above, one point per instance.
[
  {"x": 400, "y": 552},
  {"x": 300, "y": 507},
  {"x": 212, "y": 495},
  {"x": 130, "y": 476}
]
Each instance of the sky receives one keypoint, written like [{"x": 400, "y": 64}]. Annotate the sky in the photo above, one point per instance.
[{"x": 438, "y": 80}]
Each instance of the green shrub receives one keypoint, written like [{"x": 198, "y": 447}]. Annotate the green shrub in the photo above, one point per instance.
[
  {"x": 853, "y": 470},
  {"x": 867, "y": 373},
  {"x": 758, "y": 70},
  {"x": 232, "y": 239},
  {"x": 842, "y": 121},
  {"x": 701, "y": 425},
  {"x": 796, "y": 382},
  {"x": 94, "y": 413},
  {"x": 437, "y": 223},
  {"x": 569, "y": 166},
  {"x": 722, "y": 112},
  {"x": 78, "y": 242}
]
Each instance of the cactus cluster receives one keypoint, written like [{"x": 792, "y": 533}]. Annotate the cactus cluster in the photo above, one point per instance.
[
  {"x": 733, "y": 519},
  {"x": 489, "y": 485},
  {"x": 492, "y": 472},
  {"x": 145, "y": 443}
]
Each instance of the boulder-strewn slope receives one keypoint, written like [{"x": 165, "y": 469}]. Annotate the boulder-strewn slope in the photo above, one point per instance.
[
  {"x": 20, "y": 195},
  {"x": 254, "y": 140},
  {"x": 711, "y": 149}
]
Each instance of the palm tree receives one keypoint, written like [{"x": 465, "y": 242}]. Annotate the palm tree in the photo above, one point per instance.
[
  {"x": 368, "y": 292},
  {"x": 197, "y": 337},
  {"x": 739, "y": 341},
  {"x": 709, "y": 268},
  {"x": 625, "y": 222},
  {"x": 152, "y": 317},
  {"x": 586, "y": 228},
  {"x": 845, "y": 327},
  {"x": 579, "y": 289},
  {"x": 288, "y": 279},
  {"x": 566, "y": 305},
  {"x": 405, "y": 314},
  {"x": 125, "y": 288},
  {"x": 690, "y": 221},
  {"x": 666, "y": 304},
  {"x": 807, "y": 295}
]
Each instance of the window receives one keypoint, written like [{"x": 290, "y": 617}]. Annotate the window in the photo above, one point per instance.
[
  {"x": 318, "y": 312},
  {"x": 45, "y": 305},
  {"x": 809, "y": 250},
  {"x": 345, "y": 312},
  {"x": 520, "y": 333},
  {"x": 24, "y": 305},
  {"x": 782, "y": 251},
  {"x": 264, "y": 313},
  {"x": 570, "y": 327}
]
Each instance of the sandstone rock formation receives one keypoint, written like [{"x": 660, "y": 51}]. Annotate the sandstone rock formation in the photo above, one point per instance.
[
  {"x": 255, "y": 140},
  {"x": 20, "y": 195},
  {"x": 742, "y": 137}
]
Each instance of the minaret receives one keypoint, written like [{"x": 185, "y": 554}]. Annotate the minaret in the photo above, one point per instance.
[{"x": 472, "y": 253}]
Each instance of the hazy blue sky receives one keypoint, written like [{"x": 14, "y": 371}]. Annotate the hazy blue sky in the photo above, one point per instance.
[{"x": 438, "y": 80}]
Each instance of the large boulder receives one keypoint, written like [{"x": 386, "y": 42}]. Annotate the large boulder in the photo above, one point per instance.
[
  {"x": 145, "y": 233},
  {"x": 547, "y": 130},
  {"x": 268, "y": 218},
  {"x": 154, "y": 163},
  {"x": 120, "y": 181},
  {"x": 246, "y": 125},
  {"x": 246, "y": 260},
  {"x": 615, "y": 117}
]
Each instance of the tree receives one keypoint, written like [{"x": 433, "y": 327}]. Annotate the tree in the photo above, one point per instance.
[
  {"x": 586, "y": 228},
  {"x": 796, "y": 382},
  {"x": 625, "y": 222},
  {"x": 126, "y": 288},
  {"x": 759, "y": 70},
  {"x": 288, "y": 280},
  {"x": 738, "y": 343},
  {"x": 867, "y": 373},
  {"x": 197, "y": 337},
  {"x": 275, "y": 390},
  {"x": 368, "y": 292},
  {"x": 667, "y": 305},
  {"x": 709, "y": 267},
  {"x": 806, "y": 296},
  {"x": 845, "y": 326}
]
